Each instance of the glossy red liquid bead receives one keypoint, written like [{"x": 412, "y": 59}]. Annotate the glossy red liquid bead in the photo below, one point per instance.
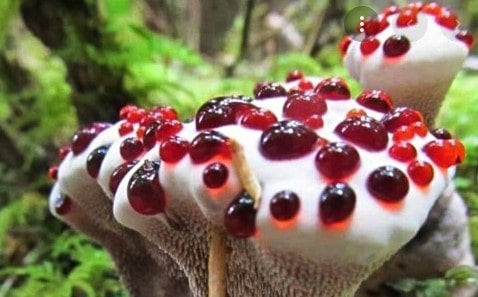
[
  {"x": 284, "y": 205},
  {"x": 149, "y": 135},
  {"x": 287, "y": 140},
  {"x": 344, "y": 45},
  {"x": 164, "y": 112},
  {"x": 403, "y": 133},
  {"x": 208, "y": 144},
  {"x": 365, "y": 132},
  {"x": 420, "y": 129},
  {"x": 118, "y": 175},
  {"x": 215, "y": 175},
  {"x": 396, "y": 46},
  {"x": 63, "y": 205},
  {"x": 407, "y": 17},
  {"x": 337, "y": 160},
  {"x": 448, "y": 20},
  {"x": 371, "y": 26},
  {"x": 369, "y": 45},
  {"x": 145, "y": 194},
  {"x": 388, "y": 184},
  {"x": 140, "y": 132},
  {"x": 400, "y": 116},
  {"x": 94, "y": 160},
  {"x": 467, "y": 38},
  {"x": 336, "y": 203},
  {"x": 442, "y": 152},
  {"x": 173, "y": 149},
  {"x": 421, "y": 173},
  {"x": 432, "y": 8},
  {"x": 333, "y": 88},
  {"x": 84, "y": 136},
  {"x": 131, "y": 148},
  {"x": 136, "y": 115},
  {"x": 314, "y": 122},
  {"x": 221, "y": 111},
  {"x": 441, "y": 133},
  {"x": 460, "y": 151},
  {"x": 63, "y": 151},
  {"x": 257, "y": 118},
  {"x": 376, "y": 100},
  {"x": 403, "y": 151},
  {"x": 147, "y": 120},
  {"x": 168, "y": 128},
  {"x": 125, "y": 128},
  {"x": 356, "y": 113},
  {"x": 305, "y": 85},
  {"x": 53, "y": 173},
  {"x": 270, "y": 90},
  {"x": 123, "y": 113},
  {"x": 294, "y": 75},
  {"x": 390, "y": 10},
  {"x": 240, "y": 217},
  {"x": 301, "y": 105}
]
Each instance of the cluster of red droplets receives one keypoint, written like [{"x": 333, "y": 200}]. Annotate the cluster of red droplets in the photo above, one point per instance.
[{"x": 407, "y": 16}]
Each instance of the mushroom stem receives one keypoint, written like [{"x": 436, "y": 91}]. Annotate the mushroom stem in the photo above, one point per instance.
[
  {"x": 246, "y": 175},
  {"x": 217, "y": 268}
]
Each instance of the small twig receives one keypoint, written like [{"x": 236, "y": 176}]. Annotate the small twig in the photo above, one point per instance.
[{"x": 217, "y": 267}]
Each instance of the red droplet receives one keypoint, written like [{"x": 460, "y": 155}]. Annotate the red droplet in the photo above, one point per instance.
[
  {"x": 257, "y": 118},
  {"x": 94, "y": 160},
  {"x": 404, "y": 133},
  {"x": 344, "y": 45},
  {"x": 314, "y": 122},
  {"x": 287, "y": 140},
  {"x": 441, "y": 133},
  {"x": 388, "y": 184},
  {"x": 421, "y": 173},
  {"x": 221, "y": 111},
  {"x": 371, "y": 26},
  {"x": 305, "y": 85},
  {"x": 406, "y": 18},
  {"x": 396, "y": 45},
  {"x": 337, "y": 203},
  {"x": 466, "y": 37},
  {"x": 442, "y": 152},
  {"x": 207, "y": 145},
  {"x": 53, "y": 173},
  {"x": 118, "y": 175},
  {"x": 168, "y": 128},
  {"x": 149, "y": 135},
  {"x": 448, "y": 19},
  {"x": 63, "y": 151},
  {"x": 460, "y": 151},
  {"x": 145, "y": 194},
  {"x": 84, "y": 136},
  {"x": 356, "y": 113},
  {"x": 147, "y": 120},
  {"x": 123, "y": 114},
  {"x": 63, "y": 205},
  {"x": 215, "y": 175},
  {"x": 294, "y": 75},
  {"x": 164, "y": 112},
  {"x": 400, "y": 116},
  {"x": 333, "y": 88},
  {"x": 240, "y": 216},
  {"x": 375, "y": 100},
  {"x": 131, "y": 148},
  {"x": 270, "y": 90},
  {"x": 173, "y": 149},
  {"x": 284, "y": 205},
  {"x": 365, "y": 132},
  {"x": 140, "y": 132},
  {"x": 301, "y": 105},
  {"x": 337, "y": 160},
  {"x": 125, "y": 128},
  {"x": 136, "y": 115},
  {"x": 403, "y": 151},
  {"x": 432, "y": 8},
  {"x": 383, "y": 24},
  {"x": 369, "y": 45},
  {"x": 390, "y": 10},
  {"x": 415, "y": 6},
  {"x": 420, "y": 129}
]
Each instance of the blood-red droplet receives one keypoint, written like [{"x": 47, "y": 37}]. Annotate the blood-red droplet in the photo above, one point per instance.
[
  {"x": 448, "y": 19},
  {"x": 123, "y": 113},
  {"x": 149, "y": 135},
  {"x": 442, "y": 152},
  {"x": 403, "y": 151},
  {"x": 94, "y": 160},
  {"x": 333, "y": 88},
  {"x": 173, "y": 149},
  {"x": 369, "y": 45},
  {"x": 336, "y": 203},
  {"x": 421, "y": 173},
  {"x": 207, "y": 145},
  {"x": 406, "y": 18},
  {"x": 168, "y": 128},
  {"x": 355, "y": 112},
  {"x": 53, "y": 173},
  {"x": 294, "y": 75},
  {"x": 136, "y": 115},
  {"x": 145, "y": 194},
  {"x": 221, "y": 111},
  {"x": 344, "y": 45},
  {"x": 466, "y": 37},
  {"x": 287, "y": 140},
  {"x": 314, "y": 122},
  {"x": 270, "y": 90},
  {"x": 63, "y": 205},
  {"x": 84, "y": 136},
  {"x": 337, "y": 160},
  {"x": 432, "y": 8},
  {"x": 125, "y": 128},
  {"x": 284, "y": 205},
  {"x": 376, "y": 100},
  {"x": 441, "y": 133},
  {"x": 257, "y": 118},
  {"x": 364, "y": 131},
  {"x": 400, "y": 116},
  {"x": 394, "y": 9},
  {"x": 301, "y": 105},
  {"x": 396, "y": 46},
  {"x": 388, "y": 184},
  {"x": 240, "y": 216},
  {"x": 118, "y": 174},
  {"x": 305, "y": 85},
  {"x": 215, "y": 175},
  {"x": 131, "y": 148},
  {"x": 63, "y": 151},
  {"x": 371, "y": 26},
  {"x": 404, "y": 133}
]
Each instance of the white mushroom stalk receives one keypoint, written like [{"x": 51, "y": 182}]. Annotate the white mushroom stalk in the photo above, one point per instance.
[
  {"x": 413, "y": 53},
  {"x": 330, "y": 187}
]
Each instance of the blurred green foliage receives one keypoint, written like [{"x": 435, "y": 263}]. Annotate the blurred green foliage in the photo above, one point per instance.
[{"x": 38, "y": 255}]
